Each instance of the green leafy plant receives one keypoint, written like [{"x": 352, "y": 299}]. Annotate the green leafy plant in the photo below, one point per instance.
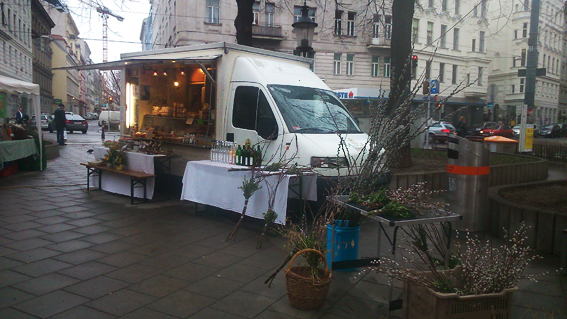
[{"x": 249, "y": 187}]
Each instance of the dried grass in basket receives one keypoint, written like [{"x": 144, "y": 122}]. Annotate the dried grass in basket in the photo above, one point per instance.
[{"x": 303, "y": 290}]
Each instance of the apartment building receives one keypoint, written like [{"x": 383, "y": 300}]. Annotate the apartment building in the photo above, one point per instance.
[
  {"x": 42, "y": 53},
  {"x": 16, "y": 49},
  {"x": 508, "y": 52},
  {"x": 352, "y": 41}
]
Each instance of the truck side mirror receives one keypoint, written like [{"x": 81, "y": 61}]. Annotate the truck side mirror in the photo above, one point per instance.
[{"x": 267, "y": 128}]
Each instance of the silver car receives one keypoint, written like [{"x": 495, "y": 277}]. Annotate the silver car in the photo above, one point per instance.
[{"x": 440, "y": 131}]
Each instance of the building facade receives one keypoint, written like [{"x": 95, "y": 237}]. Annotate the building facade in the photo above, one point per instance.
[
  {"x": 509, "y": 47},
  {"x": 352, "y": 41},
  {"x": 42, "y": 53},
  {"x": 16, "y": 50}
]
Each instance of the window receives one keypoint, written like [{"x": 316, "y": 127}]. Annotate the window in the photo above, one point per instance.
[
  {"x": 475, "y": 11},
  {"x": 543, "y": 62},
  {"x": 483, "y": 8},
  {"x": 375, "y": 65},
  {"x": 428, "y": 69},
  {"x": 525, "y": 30},
  {"x": 441, "y": 72},
  {"x": 481, "y": 42},
  {"x": 515, "y": 34},
  {"x": 553, "y": 66},
  {"x": 376, "y": 27},
  {"x": 526, "y": 5},
  {"x": 443, "y": 37},
  {"x": 388, "y": 27},
  {"x": 297, "y": 13},
  {"x": 338, "y": 22},
  {"x": 522, "y": 83},
  {"x": 350, "y": 64},
  {"x": 337, "y": 64},
  {"x": 213, "y": 11},
  {"x": 387, "y": 66},
  {"x": 468, "y": 78},
  {"x": 456, "y": 38},
  {"x": 251, "y": 107},
  {"x": 270, "y": 9},
  {"x": 454, "y": 74},
  {"x": 523, "y": 58},
  {"x": 513, "y": 89},
  {"x": 350, "y": 24},
  {"x": 473, "y": 45},
  {"x": 480, "y": 71},
  {"x": 429, "y": 32},
  {"x": 443, "y": 5},
  {"x": 256, "y": 13},
  {"x": 414, "y": 31},
  {"x": 430, "y": 3},
  {"x": 457, "y": 7}
]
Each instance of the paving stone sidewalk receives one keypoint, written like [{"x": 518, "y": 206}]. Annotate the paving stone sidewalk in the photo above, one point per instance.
[{"x": 69, "y": 253}]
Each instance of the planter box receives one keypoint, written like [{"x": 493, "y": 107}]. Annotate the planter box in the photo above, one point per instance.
[{"x": 423, "y": 303}]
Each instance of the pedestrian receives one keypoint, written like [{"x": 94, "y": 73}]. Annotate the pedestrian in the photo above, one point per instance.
[
  {"x": 462, "y": 127},
  {"x": 19, "y": 116},
  {"x": 60, "y": 124}
]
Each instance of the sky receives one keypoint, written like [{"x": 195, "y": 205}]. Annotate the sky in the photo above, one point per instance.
[{"x": 122, "y": 36}]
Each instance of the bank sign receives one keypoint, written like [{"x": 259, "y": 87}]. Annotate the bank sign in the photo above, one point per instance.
[{"x": 345, "y": 95}]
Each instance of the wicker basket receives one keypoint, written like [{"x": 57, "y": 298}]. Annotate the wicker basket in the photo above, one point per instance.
[
  {"x": 423, "y": 303},
  {"x": 303, "y": 292}
]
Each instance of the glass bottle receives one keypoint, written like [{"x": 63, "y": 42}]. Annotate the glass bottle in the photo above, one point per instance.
[{"x": 239, "y": 155}]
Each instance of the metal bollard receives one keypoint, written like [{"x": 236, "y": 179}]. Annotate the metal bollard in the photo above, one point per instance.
[{"x": 102, "y": 130}]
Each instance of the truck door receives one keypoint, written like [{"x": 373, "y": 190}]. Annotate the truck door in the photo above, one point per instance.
[{"x": 253, "y": 118}]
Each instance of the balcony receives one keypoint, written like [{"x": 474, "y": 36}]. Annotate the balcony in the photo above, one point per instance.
[
  {"x": 379, "y": 42},
  {"x": 267, "y": 32},
  {"x": 475, "y": 91}
]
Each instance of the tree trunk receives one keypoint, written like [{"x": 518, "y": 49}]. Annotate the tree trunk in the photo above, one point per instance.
[
  {"x": 243, "y": 22},
  {"x": 400, "y": 82}
]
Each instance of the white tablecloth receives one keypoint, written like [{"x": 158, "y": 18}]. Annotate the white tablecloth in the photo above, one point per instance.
[
  {"x": 212, "y": 183},
  {"x": 120, "y": 184}
]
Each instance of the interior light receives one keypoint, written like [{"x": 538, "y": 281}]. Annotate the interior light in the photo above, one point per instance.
[
  {"x": 182, "y": 72},
  {"x": 155, "y": 73},
  {"x": 176, "y": 83},
  {"x": 165, "y": 72}
]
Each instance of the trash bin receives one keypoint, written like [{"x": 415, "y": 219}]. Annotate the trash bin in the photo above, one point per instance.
[
  {"x": 501, "y": 144},
  {"x": 346, "y": 243},
  {"x": 467, "y": 183}
]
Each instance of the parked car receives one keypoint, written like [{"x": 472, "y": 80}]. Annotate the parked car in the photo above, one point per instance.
[
  {"x": 552, "y": 130},
  {"x": 562, "y": 129},
  {"x": 497, "y": 129},
  {"x": 75, "y": 122},
  {"x": 44, "y": 121},
  {"x": 516, "y": 130},
  {"x": 440, "y": 131},
  {"x": 91, "y": 116}
]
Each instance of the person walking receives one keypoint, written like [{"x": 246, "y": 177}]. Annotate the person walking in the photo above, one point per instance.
[
  {"x": 60, "y": 124},
  {"x": 462, "y": 127}
]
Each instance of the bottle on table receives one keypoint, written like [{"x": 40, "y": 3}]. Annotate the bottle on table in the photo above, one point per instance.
[{"x": 239, "y": 156}]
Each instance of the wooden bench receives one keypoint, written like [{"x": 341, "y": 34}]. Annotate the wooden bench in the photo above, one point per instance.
[{"x": 137, "y": 179}]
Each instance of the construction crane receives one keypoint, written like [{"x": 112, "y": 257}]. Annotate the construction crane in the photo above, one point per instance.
[{"x": 104, "y": 13}]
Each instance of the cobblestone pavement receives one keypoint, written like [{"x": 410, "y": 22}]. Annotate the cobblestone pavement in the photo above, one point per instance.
[{"x": 69, "y": 253}]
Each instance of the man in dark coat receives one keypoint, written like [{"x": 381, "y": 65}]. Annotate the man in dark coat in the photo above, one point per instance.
[
  {"x": 60, "y": 123},
  {"x": 19, "y": 116}
]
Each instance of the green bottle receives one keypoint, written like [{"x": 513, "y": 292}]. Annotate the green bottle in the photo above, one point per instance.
[
  {"x": 239, "y": 155},
  {"x": 258, "y": 156}
]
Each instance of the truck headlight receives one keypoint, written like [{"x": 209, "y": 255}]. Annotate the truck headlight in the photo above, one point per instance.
[{"x": 329, "y": 162}]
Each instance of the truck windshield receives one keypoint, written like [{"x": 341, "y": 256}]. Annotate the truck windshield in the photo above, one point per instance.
[{"x": 311, "y": 110}]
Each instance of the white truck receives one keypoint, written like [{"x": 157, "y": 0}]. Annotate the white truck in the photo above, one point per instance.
[{"x": 268, "y": 97}]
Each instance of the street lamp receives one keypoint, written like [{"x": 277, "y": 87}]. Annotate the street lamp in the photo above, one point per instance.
[{"x": 304, "y": 30}]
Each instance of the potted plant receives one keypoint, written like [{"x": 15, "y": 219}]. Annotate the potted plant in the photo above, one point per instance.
[{"x": 477, "y": 280}]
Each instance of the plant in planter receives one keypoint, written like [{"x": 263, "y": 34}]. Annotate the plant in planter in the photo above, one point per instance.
[{"x": 481, "y": 284}]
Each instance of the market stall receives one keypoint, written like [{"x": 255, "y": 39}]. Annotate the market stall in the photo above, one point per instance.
[
  {"x": 119, "y": 183},
  {"x": 216, "y": 184},
  {"x": 11, "y": 150}
]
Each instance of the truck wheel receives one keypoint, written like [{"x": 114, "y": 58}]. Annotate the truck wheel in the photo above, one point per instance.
[{"x": 85, "y": 132}]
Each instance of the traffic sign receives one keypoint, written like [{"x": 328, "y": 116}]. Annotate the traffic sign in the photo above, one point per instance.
[
  {"x": 434, "y": 87},
  {"x": 489, "y": 105}
]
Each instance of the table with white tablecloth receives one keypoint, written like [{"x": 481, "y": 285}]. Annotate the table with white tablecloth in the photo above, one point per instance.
[
  {"x": 120, "y": 184},
  {"x": 216, "y": 184}
]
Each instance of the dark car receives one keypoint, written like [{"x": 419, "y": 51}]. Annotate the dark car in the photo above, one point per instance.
[
  {"x": 75, "y": 122},
  {"x": 552, "y": 130},
  {"x": 562, "y": 130},
  {"x": 497, "y": 130}
]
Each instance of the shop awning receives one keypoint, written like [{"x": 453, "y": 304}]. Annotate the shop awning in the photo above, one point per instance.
[{"x": 118, "y": 65}]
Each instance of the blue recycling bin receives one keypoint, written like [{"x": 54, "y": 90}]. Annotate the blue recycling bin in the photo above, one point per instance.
[{"x": 346, "y": 243}]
